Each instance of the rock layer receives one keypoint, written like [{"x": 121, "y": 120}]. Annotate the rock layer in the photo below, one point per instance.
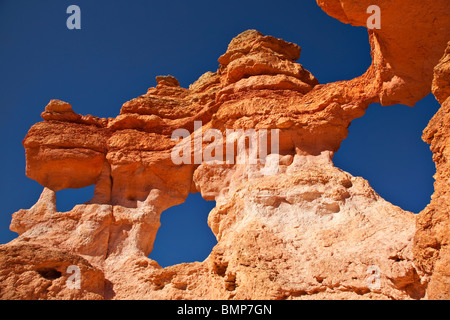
[{"x": 307, "y": 231}]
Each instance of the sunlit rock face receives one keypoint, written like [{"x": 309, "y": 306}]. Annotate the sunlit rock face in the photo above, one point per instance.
[
  {"x": 432, "y": 252},
  {"x": 302, "y": 229}
]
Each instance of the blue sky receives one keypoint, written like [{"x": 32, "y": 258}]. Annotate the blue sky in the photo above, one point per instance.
[{"x": 123, "y": 45}]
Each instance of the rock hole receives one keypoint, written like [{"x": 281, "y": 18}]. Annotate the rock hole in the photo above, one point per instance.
[
  {"x": 230, "y": 282},
  {"x": 385, "y": 147},
  {"x": 220, "y": 269},
  {"x": 68, "y": 198},
  {"x": 49, "y": 273},
  {"x": 184, "y": 235}
]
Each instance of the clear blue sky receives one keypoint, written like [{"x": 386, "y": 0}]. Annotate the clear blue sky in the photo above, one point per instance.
[{"x": 123, "y": 45}]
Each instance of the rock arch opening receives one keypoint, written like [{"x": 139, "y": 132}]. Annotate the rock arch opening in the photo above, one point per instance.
[
  {"x": 385, "y": 147},
  {"x": 184, "y": 235},
  {"x": 66, "y": 199}
]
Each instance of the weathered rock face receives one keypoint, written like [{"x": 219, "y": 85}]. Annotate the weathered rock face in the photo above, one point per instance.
[
  {"x": 433, "y": 234},
  {"x": 39, "y": 272},
  {"x": 410, "y": 42},
  {"x": 306, "y": 230}
]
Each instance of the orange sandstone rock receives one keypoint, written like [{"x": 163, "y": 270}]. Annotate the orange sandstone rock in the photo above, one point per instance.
[
  {"x": 432, "y": 239},
  {"x": 405, "y": 49},
  {"x": 35, "y": 272},
  {"x": 306, "y": 231}
]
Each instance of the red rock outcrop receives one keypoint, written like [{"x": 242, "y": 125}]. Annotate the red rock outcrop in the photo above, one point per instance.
[
  {"x": 307, "y": 230},
  {"x": 432, "y": 249},
  {"x": 410, "y": 42},
  {"x": 38, "y": 272}
]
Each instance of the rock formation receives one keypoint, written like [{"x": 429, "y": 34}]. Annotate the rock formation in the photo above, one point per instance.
[
  {"x": 432, "y": 251},
  {"x": 307, "y": 231}
]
